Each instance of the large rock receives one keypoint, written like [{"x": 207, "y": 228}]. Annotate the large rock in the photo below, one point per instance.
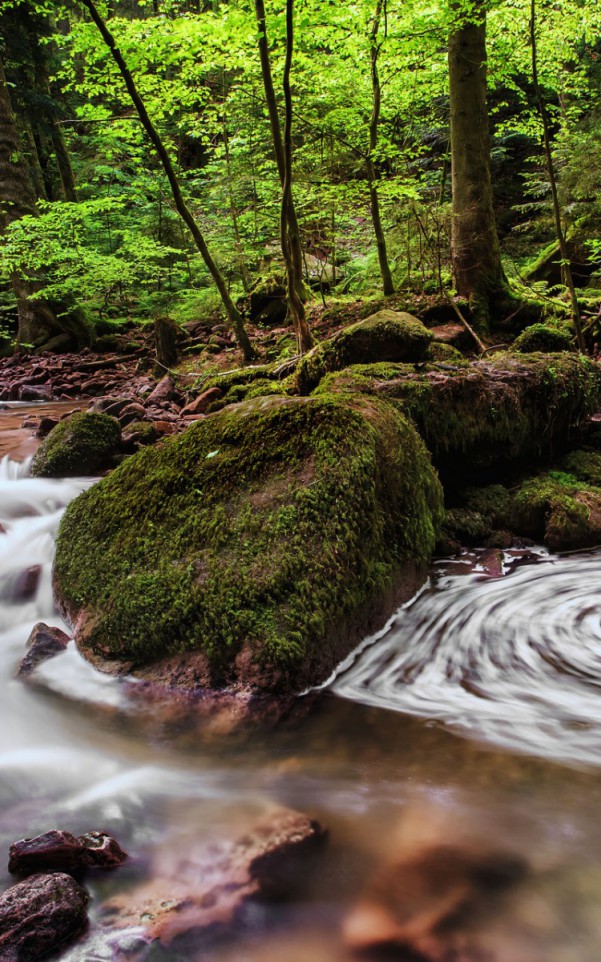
[
  {"x": 385, "y": 336},
  {"x": 39, "y": 914},
  {"x": 257, "y": 548},
  {"x": 60, "y": 851},
  {"x": 490, "y": 413},
  {"x": 83, "y": 444}
]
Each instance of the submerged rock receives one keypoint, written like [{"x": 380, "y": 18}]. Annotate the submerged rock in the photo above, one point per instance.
[
  {"x": 40, "y": 914},
  {"x": 203, "y": 889},
  {"x": 260, "y": 546},
  {"x": 80, "y": 445}
]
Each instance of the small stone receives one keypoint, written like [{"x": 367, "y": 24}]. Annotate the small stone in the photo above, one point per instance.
[
  {"x": 201, "y": 403},
  {"x": 44, "y": 642}
]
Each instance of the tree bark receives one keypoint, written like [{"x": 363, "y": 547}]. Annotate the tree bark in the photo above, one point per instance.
[
  {"x": 290, "y": 240},
  {"x": 40, "y": 320},
  {"x": 372, "y": 174},
  {"x": 182, "y": 208},
  {"x": 475, "y": 251},
  {"x": 278, "y": 146}
]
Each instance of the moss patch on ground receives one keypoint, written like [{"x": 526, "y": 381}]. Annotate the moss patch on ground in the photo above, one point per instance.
[
  {"x": 386, "y": 336},
  {"x": 541, "y": 337},
  {"x": 81, "y": 445},
  {"x": 249, "y": 537}
]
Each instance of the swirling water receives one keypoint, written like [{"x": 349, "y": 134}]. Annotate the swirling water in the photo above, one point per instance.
[
  {"x": 513, "y": 663},
  {"x": 514, "y": 660}
]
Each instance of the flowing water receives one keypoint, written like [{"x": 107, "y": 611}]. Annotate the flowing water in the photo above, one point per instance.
[{"x": 473, "y": 720}]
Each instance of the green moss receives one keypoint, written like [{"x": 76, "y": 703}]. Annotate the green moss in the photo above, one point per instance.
[
  {"x": 556, "y": 509},
  {"x": 465, "y": 526},
  {"x": 494, "y": 411},
  {"x": 82, "y": 444},
  {"x": 541, "y": 337},
  {"x": 445, "y": 354},
  {"x": 386, "y": 336},
  {"x": 258, "y": 529},
  {"x": 492, "y": 502},
  {"x": 261, "y": 387},
  {"x": 585, "y": 466},
  {"x": 144, "y": 432}
]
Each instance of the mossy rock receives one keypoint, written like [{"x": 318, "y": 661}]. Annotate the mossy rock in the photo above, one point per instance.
[
  {"x": 558, "y": 510},
  {"x": 492, "y": 502},
  {"x": 465, "y": 527},
  {"x": 255, "y": 542},
  {"x": 541, "y": 337},
  {"x": 439, "y": 352},
  {"x": 80, "y": 445},
  {"x": 492, "y": 412},
  {"x": 385, "y": 336},
  {"x": 585, "y": 466}
]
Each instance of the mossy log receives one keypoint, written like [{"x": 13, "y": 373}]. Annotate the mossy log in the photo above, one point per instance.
[{"x": 254, "y": 550}]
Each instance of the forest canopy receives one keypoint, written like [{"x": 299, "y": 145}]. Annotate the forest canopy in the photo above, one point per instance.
[{"x": 361, "y": 199}]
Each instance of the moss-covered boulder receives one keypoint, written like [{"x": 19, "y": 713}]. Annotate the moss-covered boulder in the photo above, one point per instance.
[
  {"x": 80, "y": 445},
  {"x": 584, "y": 465},
  {"x": 493, "y": 412},
  {"x": 541, "y": 337},
  {"x": 385, "y": 336},
  {"x": 558, "y": 510},
  {"x": 258, "y": 546}
]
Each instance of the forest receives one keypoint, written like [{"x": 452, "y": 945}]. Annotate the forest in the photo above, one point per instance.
[{"x": 300, "y": 480}]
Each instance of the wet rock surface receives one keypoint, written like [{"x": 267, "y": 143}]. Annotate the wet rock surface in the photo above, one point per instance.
[
  {"x": 44, "y": 642},
  {"x": 60, "y": 851},
  {"x": 40, "y": 914}
]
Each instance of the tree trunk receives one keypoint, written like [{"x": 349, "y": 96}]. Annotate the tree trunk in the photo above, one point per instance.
[
  {"x": 289, "y": 239},
  {"x": 475, "y": 250},
  {"x": 278, "y": 147},
  {"x": 182, "y": 208},
  {"x": 165, "y": 340},
  {"x": 40, "y": 320},
  {"x": 372, "y": 174}
]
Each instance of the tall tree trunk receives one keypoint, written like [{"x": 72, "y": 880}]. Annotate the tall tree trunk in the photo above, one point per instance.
[
  {"x": 475, "y": 250},
  {"x": 278, "y": 144},
  {"x": 561, "y": 237},
  {"x": 372, "y": 174},
  {"x": 40, "y": 320},
  {"x": 182, "y": 208},
  {"x": 290, "y": 240}
]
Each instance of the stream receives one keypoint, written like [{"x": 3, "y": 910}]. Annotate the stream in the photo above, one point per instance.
[{"x": 472, "y": 719}]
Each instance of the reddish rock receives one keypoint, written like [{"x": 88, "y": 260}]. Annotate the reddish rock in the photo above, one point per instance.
[
  {"x": 201, "y": 403},
  {"x": 26, "y": 585},
  {"x": 58, "y": 851},
  {"x": 43, "y": 643},
  {"x": 132, "y": 412},
  {"x": 35, "y": 392},
  {"x": 164, "y": 391},
  {"x": 205, "y": 891},
  {"x": 39, "y": 914}
]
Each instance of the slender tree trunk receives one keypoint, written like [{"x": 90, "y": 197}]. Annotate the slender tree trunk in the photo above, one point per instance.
[
  {"x": 33, "y": 159},
  {"x": 40, "y": 321},
  {"x": 278, "y": 144},
  {"x": 561, "y": 237},
  {"x": 182, "y": 208},
  {"x": 475, "y": 250},
  {"x": 372, "y": 174},
  {"x": 246, "y": 283},
  {"x": 290, "y": 240}
]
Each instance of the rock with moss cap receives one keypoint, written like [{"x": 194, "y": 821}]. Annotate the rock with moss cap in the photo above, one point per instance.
[
  {"x": 79, "y": 446},
  {"x": 254, "y": 550},
  {"x": 558, "y": 510},
  {"x": 385, "y": 336},
  {"x": 541, "y": 337}
]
